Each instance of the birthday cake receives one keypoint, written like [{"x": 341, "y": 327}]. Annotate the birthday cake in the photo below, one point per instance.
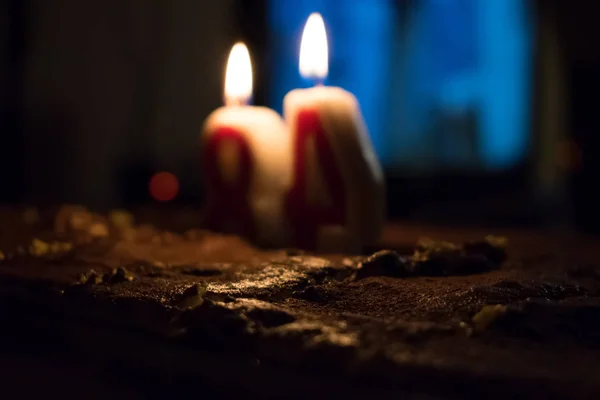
[{"x": 99, "y": 305}]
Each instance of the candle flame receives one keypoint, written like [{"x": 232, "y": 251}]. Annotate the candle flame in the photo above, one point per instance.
[
  {"x": 313, "y": 49},
  {"x": 238, "y": 76}
]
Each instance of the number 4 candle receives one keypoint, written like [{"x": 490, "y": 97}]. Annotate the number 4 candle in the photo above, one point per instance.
[
  {"x": 245, "y": 155},
  {"x": 336, "y": 201}
]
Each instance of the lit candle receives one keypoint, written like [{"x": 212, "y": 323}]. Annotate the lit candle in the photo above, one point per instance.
[
  {"x": 336, "y": 200},
  {"x": 245, "y": 157}
]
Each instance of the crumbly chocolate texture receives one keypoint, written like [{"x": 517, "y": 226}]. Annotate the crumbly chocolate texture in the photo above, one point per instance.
[
  {"x": 437, "y": 258},
  {"x": 115, "y": 275},
  {"x": 455, "y": 317}
]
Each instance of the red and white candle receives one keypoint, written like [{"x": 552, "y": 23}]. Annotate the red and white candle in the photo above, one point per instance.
[
  {"x": 336, "y": 197},
  {"x": 246, "y": 161}
]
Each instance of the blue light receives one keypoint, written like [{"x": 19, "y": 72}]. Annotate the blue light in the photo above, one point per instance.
[
  {"x": 453, "y": 59},
  {"x": 505, "y": 69},
  {"x": 360, "y": 36}
]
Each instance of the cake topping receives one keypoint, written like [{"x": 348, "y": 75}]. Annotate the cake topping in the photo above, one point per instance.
[
  {"x": 437, "y": 258},
  {"x": 121, "y": 219},
  {"x": 117, "y": 275},
  {"x": 80, "y": 224},
  {"x": 90, "y": 278},
  {"x": 40, "y": 248},
  {"x": 193, "y": 296},
  {"x": 291, "y": 309},
  {"x": 382, "y": 263},
  {"x": 487, "y": 315},
  {"x": 492, "y": 247},
  {"x": 98, "y": 230}
]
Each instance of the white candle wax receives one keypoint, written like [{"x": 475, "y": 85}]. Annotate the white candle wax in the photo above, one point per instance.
[
  {"x": 246, "y": 161},
  {"x": 265, "y": 133},
  {"x": 337, "y": 196},
  {"x": 344, "y": 127}
]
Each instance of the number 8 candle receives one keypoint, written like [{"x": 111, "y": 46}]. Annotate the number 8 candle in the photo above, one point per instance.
[
  {"x": 336, "y": 198},
  {"x": 245, "y": 156}
]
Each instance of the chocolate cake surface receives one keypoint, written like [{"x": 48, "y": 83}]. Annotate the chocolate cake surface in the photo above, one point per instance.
[{"x": 460, "y": 315}]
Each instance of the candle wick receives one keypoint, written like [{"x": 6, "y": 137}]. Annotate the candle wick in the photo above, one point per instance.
[
  {"x": 315, "y": 80},
  {"x": 235, "y": 101},
  {"x": 318, "y": 82}
]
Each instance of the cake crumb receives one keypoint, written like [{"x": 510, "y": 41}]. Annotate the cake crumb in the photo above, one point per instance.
[
  {"x": 121, "y": 219},
  {"x": 487, "y": 315},
  {"x": 441, "y": 258},
  {"x": 90, "y": 278},
  {"x": 497, "y": 241},
  {"x": 467, "y": 328},
  {"x": 60, "y": 247},
  {"x": 348, "y": 262},
  {"x": 98, "y": 230},
  {"x": 193, "y": 296},
  {"x": 118, "y": 275},
  {"x": 428, "y": 249},
  {"x": 494, "y": 248},
  {"x": 39, "y": 247},
  {"x": 80, "y": 224},
  {"x": 80, "y": 219},
  {"x": 382, "y": 263},
  {"x": 115, "y": 276}
]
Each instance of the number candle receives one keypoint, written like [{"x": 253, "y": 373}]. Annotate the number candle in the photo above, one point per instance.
[
  {"x": 336, "y": 200},
  {"x": 245, "y": 156}
]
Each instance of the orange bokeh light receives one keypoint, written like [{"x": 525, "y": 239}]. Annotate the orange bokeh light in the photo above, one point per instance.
[{"x": 163, "y": 186}]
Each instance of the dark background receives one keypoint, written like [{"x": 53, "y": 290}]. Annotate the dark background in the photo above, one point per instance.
[{"x": 98, "y": 96}]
